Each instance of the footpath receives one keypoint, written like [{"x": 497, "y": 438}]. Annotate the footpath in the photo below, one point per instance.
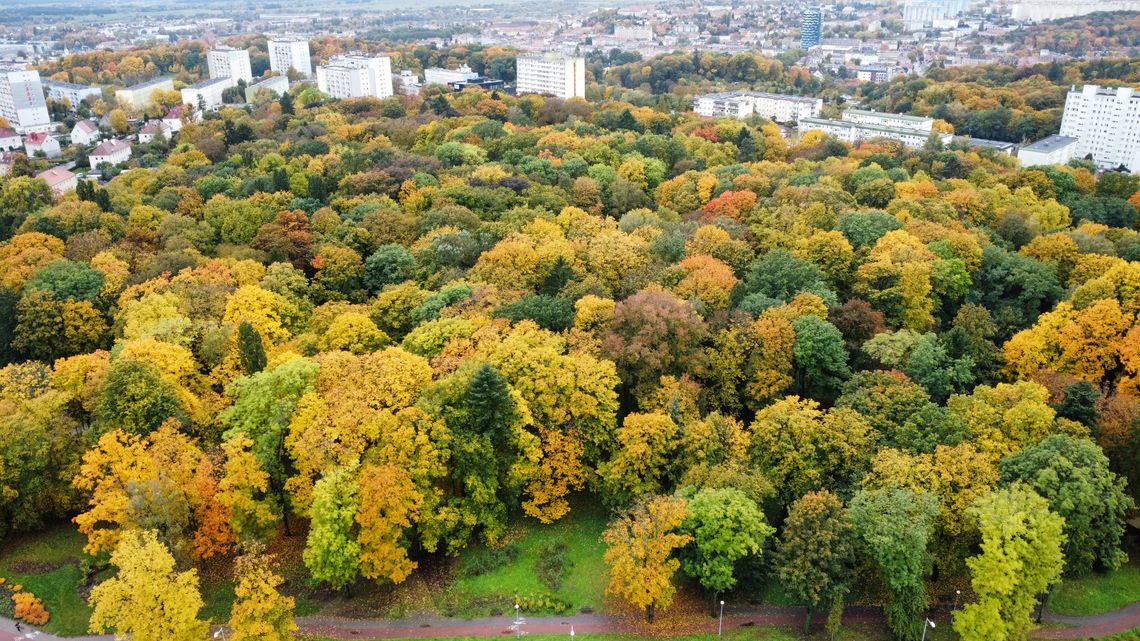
[{"x": 1057, "y": 626}]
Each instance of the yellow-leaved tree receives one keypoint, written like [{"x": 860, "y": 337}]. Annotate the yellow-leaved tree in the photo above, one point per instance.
[
  {"x": 640, "y": 553},
  {"x": 260, "y": 612},
  {"x": 147, "y": 599}
]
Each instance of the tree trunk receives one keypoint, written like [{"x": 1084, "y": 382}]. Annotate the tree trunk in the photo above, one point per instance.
[
  {"x": 714, "y": 611},
  {"x": 807, "y": 619},
  {"x": 649, "y": 613}
]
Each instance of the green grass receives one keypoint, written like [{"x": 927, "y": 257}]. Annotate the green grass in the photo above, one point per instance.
[
  {"x": 58, "y": 550},
  {"x": 483, "y": 585},
  {"x": 1097, "y": 593}
]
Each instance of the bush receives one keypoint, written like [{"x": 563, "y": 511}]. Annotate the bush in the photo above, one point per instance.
[
  {"x": 552, "y": 565},
  {"x": 30, "y": 609},
  {"x": 488, "y": 560}
]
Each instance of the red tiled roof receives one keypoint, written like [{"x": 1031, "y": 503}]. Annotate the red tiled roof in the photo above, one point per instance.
[
  {"x": 55, "y": 176},
  {"x": 108, "y": 147},
  {"x": 37, "y": 138}
]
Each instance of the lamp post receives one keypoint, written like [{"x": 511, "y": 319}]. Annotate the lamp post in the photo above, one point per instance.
[
  {"x": 720, "y": 621},
  {"x": 926, "y": 622},
  {"x": 571, "y": 633},
  {"x": 957, "y": 593},
  {"x": 220, "y": 633}
]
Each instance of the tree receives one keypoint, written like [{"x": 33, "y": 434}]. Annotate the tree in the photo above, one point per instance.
[
  {"x": 251, "y": 351},
  {"x": 119, "y": 122},
  {"x": 816, "y": 553},
  {"x": 147, "y": 599},
  {"x": 640, "y": 544},
  {"x": 820, "y": 357},
  {"x": 243, "y": 490},
  {"x": 388, "y": 265},
  {"x": 725, "y": 526},
  {"x": 331, "y": 553},
  {"x": 1072, "y": 474},
  {"x": 652, "y": 334},
  {"x": 1020, "y": 559},
  {"x": 260, "y": 612},
  {"x": 390, "y": 504},
  {"x": 893, "y": 525},
  {"x": 136, "y": 399},
  {"x": 645, "y": 443}
]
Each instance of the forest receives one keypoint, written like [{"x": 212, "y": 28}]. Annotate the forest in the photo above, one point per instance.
[{"x": 394, "y": 328}]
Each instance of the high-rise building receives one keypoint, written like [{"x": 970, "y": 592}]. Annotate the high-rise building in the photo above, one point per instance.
[
  {"x": 228, "y": 62},
  {"x": 1107, "y": 124},
  {"x": 22, "y": 100},
  {"x": 811, "y": 33},
  {"x": 290, "y": 52},
  {"x": 356, "y": 76},
  {"x": 551, "y": 73}
]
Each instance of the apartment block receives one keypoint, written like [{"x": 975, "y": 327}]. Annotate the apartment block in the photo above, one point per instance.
[
  {"x": 228, "y": 62},
  {"x": 852, "y": 132},
  {"x": 290, "y": 52},
  {"x": 276, "y": 85},
  {"x": 356, "y": 76},
  {"x": 1053, "y": 150},
  {"x": 207, "y": 94},
  {"x": 773, "y": 106},
  {"x": 1106, "y": 124},
  {"x": 138, "y": 96},
  {"x": 551, "y": 73},
  {"x": 811, "y": 27},
  {"x": 73, "y": 93},
  {"x": 22, "y": 100}
]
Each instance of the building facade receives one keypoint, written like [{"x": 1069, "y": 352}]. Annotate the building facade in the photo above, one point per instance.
[
  {"x": 276, "y": 85},
  {"x": 10, "y": 140},
  {"x": 741, "y": 104},
  {"x": 22, "y": 100},
  {"x": 355, "y": 76},
  {"x": 138, "y": 96},
  {"x": 207, "y": 94},
  {"x": 41, "y": 145},
  {"x": 882, "y": 119},
  {"x": 84, "y": 132},
  {"x": 1106, "y": 122},
  {"x": 551, "y": 73},
  {"x": 852, "y": 132},
  {"x": 228, "y": 62},
  {"x": 1053, "y": 150},
  {"x": 111, "y": 151},
  {"x": 811, "y": 27},
  {"x": 59, "y": 180},
  {"x": 290, "y": 53},
  {"x": 71, "y": 92},
  {"x": 439, "y": 76}
]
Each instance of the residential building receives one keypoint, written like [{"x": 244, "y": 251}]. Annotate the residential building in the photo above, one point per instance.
[
  {"x": 207, "y": 94},
  {"x": 811, "y": 27},
  {"x": 22, "y": 100},
  {"x": 1007, "y": 148},
  {"x": 1106, "y": 122},
  {"x": 152, "y": 129},
  {"x": 7, "y": 159},
  {"x": 741, "y": 104},
  {"x": 84, "y": 132},
  {"x": 481, "y": 82},
  {"x": 873, "y": 73},
  {"x": 1038, "y": 10},
  {"x": 356, "y": 76},
  {"x": 1053, "y": 150},
  {"x": 276, "y": 85},
  {"x": 633, "y": 32},
  {"x": 407, "y": 83},
  {"x": 71, "y": 92},
  {"x": 439, "y": 76},
  {"x": 10, "y": 140},
  {"x": 112, "y": 151},
  {"x": 60, "y": 180},
  {"x": 852, "y": 132},
  {"x": 556, "y": 74},
  {"x": 290, "y": 52},
  {"x": 882, "y": 119},
  {"x": 228, "y": 62},
  {"x": 173, "y": 118},
  {"x": 41, "y": 145},
  {"x": 138, "y": 96}
]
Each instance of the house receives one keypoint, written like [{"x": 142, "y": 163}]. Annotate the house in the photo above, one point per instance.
[
  {"x": 7, "y": 160},
  {"x": 112, "y": 151},
  {"x": 10, "y": 140},
  {"x": 151, "y": 130},
  {"x": 84, "y": 133},
  {"x": 59, "y": 179},
  {"x": 173, "y": 119},
  {"x": 39, "y": 144}
]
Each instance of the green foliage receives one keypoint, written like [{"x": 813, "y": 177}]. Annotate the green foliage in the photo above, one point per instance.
[
  {"x": 726, "y": 527},
  {"x": 332, "y": 553},
  {"x": 251, "y": 351},
  {"x": 136, "y": 399}
]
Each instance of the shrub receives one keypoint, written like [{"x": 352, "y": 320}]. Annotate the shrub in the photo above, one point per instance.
[{"x": 30, "y": 609}]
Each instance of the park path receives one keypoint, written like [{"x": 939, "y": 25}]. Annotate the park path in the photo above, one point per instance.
[{"x": 416, "y": 627}]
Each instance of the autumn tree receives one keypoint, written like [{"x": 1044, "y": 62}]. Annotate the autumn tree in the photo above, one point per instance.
[
  {"x": 816, "y": 553},
  {"x": 725, "y": 526},
  {"x": 147, "y": 598},
  {"x": 1020, "y": 559},
  {"x": 251, "y": 351},
  {"x": 331, "y": 552},
  {"x": 640, "y": 545},
  {"x": 389, "y": 506},
  {"x": 260, "y": 612}
]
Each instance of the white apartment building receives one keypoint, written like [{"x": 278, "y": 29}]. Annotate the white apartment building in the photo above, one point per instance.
[
  {"x": 73, "y": 93},
  {"x": 439, "y": 76},
  {"x": 1106, "y": 122},
  {"x": 880, "y": 119},
  {"x": 228, "y": 62},
  {"x": 1053, "y": 150},
  {"x": 276, "y": 85},
  {"x": 138, "y": 96},
  {"x": 22, "y": 100},
  {"x": 551, "y": 73},
  {"x": 773, "y": 106},
  {"x": 852, "y": 132},
  {"x": 356, "y": 76},
  {"x": 207, "y": 94},
  {"x": 290, "y": 52},
  {"x": 112, "y": 151},
  {"x": 1037, "y": 10},
  {"x": 41, "y": 145}
]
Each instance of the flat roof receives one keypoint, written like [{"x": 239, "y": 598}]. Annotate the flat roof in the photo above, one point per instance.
[
  {"x": 1051, "y": 143},
  {"x": 859, "y": 125},
  {"x": 202, "y": 84},
  {"x": 68, "y": 85},
  {"x": 885, "y": 114},
  {"x": 149, "y": 83},
  {"x": 744, "y": 93}
]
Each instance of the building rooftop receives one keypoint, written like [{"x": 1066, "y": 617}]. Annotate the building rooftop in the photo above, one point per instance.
[
  {"x": 55, "y": 176},
  {"x": 85, "y": 126},
  {"x": 728, "y": 95},
  {"x": 66, "y": 85},
  {"x": 8, "y": 133},
  {"x": 883, "y": 114},
  {"x": 209, "y": 82},
  {"x": 1051, "y": 143},
  {"x": 858, "y": 125},
  {"x": 996, "y": 144},
  {"x": 109, "y": 147},
  {"x": 148, "y": 84},
  {"x": 37, "y": 138}
]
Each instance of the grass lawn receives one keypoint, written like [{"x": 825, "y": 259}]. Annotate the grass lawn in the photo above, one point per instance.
[
  {"x": 47, "y": 565},
  {"x": 1098, "y": 593}
]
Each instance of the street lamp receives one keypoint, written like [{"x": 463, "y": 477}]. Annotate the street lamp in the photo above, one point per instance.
[
  {"x": 220, "y": 633},
  {"x": 957, "y": 593},
  {"x": 720, "y": 621},
  {"x": 926, "y": 622},
  {"x": 571, "y": 633}
]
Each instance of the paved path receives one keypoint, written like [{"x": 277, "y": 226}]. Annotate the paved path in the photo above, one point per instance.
[{"x": 1120, "y": 620}]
